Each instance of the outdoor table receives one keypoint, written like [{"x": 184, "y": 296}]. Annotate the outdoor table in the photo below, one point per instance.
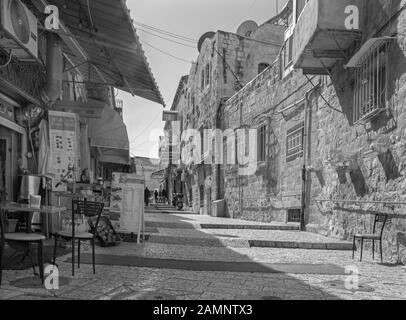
[{"x": 25, "y": 208}]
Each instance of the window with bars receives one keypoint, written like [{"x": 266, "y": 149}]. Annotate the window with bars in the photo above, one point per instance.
[
  {"x": 262, "y": 143},
  {"x": 294, "y": 215},
  {"x": 371, "y": 84},
  {"x": 295, "y": 143}
]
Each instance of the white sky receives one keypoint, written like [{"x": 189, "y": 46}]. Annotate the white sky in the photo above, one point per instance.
[{"x": 190, "y": 18}]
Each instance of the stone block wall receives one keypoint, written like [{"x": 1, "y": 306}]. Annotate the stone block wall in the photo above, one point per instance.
[
  {"x": 334, "y": 140},
  {"x": 233, "y": 62}
]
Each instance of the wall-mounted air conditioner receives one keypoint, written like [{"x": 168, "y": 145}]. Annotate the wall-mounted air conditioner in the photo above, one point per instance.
[{"x": 19, "y": 34}]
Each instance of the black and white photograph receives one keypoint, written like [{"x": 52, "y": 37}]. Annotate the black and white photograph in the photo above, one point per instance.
[{"x": 207, "y": 157}]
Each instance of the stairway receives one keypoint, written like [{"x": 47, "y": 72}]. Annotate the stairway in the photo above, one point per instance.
[{"x": 165, "y": 209}]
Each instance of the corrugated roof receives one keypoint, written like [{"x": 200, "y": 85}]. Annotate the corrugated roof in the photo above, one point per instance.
[{"x": 105, "y": 31}]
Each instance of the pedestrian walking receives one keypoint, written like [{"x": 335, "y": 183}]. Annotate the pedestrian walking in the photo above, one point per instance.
[
  {"x": 156, "y": 196},
  {"x": 164, "y": 196},
  {"x": 160, "y": 195},
  {"x": 147, "y": 195}
]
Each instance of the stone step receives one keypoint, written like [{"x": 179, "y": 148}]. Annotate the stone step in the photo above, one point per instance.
[
  {"x": 199, "y": 241},
  {"x": 281, "y": 227},
  {"x": 185, "y": 225},
  {"x": 168, "y": 211},
  {"x": 340, "y": 246},
  {"x": 247, "y": 243}
]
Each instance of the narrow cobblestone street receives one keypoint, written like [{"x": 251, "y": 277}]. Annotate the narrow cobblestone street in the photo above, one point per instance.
[{"x": 162, "y": 282}]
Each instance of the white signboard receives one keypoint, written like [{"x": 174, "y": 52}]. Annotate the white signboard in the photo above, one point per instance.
[
  {"x": 63, "y": 128},
  {"x": 127, "y": 203}
]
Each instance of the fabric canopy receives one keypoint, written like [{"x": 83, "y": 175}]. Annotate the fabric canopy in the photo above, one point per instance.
[
  {"x": 110, "y": 50},
  {"x": 109, "y": 136}
]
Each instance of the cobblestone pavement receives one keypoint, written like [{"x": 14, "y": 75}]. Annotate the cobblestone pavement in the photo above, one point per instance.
[
  {"x": 193, "y": 220},
  {"x": 375, "y": 281},
  {"x": 272, "y": 235}
]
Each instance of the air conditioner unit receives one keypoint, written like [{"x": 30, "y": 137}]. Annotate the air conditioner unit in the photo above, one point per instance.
[{"x": 19, "y": 30}]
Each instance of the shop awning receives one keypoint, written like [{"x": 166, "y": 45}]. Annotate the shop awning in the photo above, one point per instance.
[
  {"x": 102, "y": 43},
  {"x": 115, "y": 156},
  {"x": 109, "y": 136}
]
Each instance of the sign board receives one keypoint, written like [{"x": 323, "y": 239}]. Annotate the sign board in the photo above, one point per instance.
[
  {"x": 127, "y": 203},
  {"x": 63, "y": 128}
]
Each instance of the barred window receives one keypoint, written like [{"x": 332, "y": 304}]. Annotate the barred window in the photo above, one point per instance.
[
  {"x": 295, "y": 142},
  {"x": 371, "y": 84}
]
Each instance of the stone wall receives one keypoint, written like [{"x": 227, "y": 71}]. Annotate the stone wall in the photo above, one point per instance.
[
  {"x": 233, "y": 61},
  {"x": 368, "y": 174}
]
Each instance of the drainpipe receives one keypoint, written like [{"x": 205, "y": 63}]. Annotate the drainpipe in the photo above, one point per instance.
[
  {"x": 54, "y": 66},
  {"x": 306, "y": 158}
]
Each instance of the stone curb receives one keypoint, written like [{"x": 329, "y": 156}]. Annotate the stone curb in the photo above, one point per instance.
[
  {"x": 245, "y": 243},
  {"x": 199, "y": 242},
  {"x": 174, "y": 225},
  {"x": 250, "y": 227},
  {"x": 338, "y": 246}
]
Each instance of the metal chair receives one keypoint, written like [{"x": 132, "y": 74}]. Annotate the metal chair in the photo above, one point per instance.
[
  {"x": 379, "y": 218},
  {"x": 26, "y": 238},
  {"x": 89, "y": 210}
]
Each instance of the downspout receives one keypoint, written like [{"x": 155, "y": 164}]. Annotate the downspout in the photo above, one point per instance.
[
  {"x": 306, "y": 158},
  {"x": 54, "y": 65}
]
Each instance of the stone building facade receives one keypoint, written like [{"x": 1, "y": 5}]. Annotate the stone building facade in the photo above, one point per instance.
[
  {"x": 339, "y": 117},
  {"x": 226, "y": 62}
]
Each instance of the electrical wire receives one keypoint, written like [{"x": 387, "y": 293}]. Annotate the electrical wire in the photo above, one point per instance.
[
  {"x": 183, "y": 44},
  {"x": 147, "y": 127},
  {"x": 90, "y": 14},
  {"x": 141, "y": 144},
  {"x": 246, "y": 12},
  {"x": 166, "y": 53},
  {"x": 171, "y": 34}
]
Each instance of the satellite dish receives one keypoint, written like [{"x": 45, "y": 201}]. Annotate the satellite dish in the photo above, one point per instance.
[
  {"x": 247, "y": 28},
  {"x": 19, "y": 21},
  {"x": 207, "y": 35}
]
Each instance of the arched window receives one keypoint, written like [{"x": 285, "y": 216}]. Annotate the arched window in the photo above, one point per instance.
[{"x": 262, "y": 66}]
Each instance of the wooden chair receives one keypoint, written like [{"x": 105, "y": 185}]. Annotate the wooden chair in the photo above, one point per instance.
[
  {"x": 26, "y": 238},
  {"x": 374, "y": 237},
  {"x": 85, "y": 209}
]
